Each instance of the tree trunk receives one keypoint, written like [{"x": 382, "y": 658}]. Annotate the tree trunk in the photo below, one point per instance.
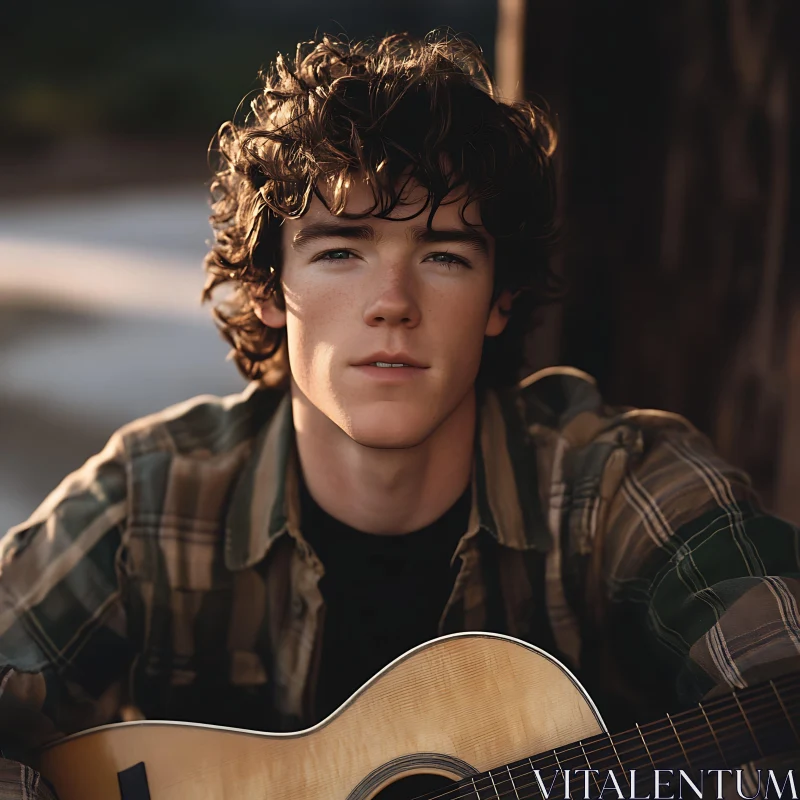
[{"x": 678, "y": 158}]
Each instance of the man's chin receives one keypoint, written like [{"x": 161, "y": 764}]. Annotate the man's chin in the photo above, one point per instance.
[
  {"x": 400, "y": 431},
  {"x": 388, "y": 440}
]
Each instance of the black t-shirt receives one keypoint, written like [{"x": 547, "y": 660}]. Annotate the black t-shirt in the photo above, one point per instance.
[{"x": 383, "y": 594}]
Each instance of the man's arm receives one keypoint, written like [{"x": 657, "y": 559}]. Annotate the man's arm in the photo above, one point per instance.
[
  {"x": 63, "y": 644},
  {"x": 702, "y": 586}
]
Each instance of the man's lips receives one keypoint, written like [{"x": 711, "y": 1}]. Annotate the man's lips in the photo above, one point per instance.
[
  {"x": 389, "y": 374},
  {"x": 390, "y": 358}
]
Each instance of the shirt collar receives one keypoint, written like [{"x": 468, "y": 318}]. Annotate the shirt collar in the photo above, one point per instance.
[{"x": 265, "y": 501}]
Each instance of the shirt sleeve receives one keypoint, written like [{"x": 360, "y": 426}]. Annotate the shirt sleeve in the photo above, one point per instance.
[
  {"x": 700, "y": 586},
  {"x": 63, "y": 642},
  {"x": 21, "y": 782}
]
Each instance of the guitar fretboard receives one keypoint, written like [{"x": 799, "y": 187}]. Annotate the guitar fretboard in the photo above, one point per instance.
[{"x": 723, "y": 733}]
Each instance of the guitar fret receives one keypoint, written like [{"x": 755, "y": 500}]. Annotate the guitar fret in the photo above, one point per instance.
[
  {"x": 487, "y": 789},
  {"x": 513, "y": 785},
  {"x": 494, "y": 785},
  {"x": 785, "y": 712},
  {"x": 645, "y": 745},
  {"x": 747, "y": 722},
  {"x": 767, "y": 720},
  {"x": 618, "y": 760},
  {"x": 735, "y": 743},
  {"x": 475, "y": 787},
  {"x": 566, "y": 776},
  {"x": 680, "y": 743},
  {"x": 597, "y": 785},
  {"x": 640, "y": 757},
  {"x": 555, "y": 773},
  {"x": 749, "y": 726},
  {"x": 631, "y": 753},
  {"x": 563, "y": 774},
  {"x": 645, "y": 776},
  {"x": 714, "y": 735},
  {"x": 699, "y": 747},
  {"x": 764, "y": 724}
]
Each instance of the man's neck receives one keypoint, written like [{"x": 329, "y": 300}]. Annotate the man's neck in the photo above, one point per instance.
[{"x": 384, "y": 491}]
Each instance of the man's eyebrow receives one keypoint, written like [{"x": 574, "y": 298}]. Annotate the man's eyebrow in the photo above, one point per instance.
[
  {"x": 323, "y": 230},
  {"x": 471, "y": 238}
]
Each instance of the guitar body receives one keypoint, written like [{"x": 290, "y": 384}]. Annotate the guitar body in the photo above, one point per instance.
[{"x": 450, "y": 708}]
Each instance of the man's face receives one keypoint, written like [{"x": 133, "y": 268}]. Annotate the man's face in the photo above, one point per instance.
[{"x": 359, "y": 292}]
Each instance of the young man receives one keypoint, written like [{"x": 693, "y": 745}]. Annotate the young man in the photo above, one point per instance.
[{"x": 251, "y": 560}]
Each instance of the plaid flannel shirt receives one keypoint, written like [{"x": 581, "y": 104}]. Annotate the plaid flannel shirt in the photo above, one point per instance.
[{"x": 170, "y": 572}]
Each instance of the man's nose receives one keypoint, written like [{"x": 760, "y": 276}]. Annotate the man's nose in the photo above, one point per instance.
[{"x": 394, "y": 301}]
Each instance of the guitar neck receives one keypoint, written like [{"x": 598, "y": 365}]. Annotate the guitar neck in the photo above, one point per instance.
[{"x": 723, "y": 733}]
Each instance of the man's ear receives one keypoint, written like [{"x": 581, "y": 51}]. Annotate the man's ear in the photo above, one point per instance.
[
  {"x": 498, "y": 316},
  {"x": 268, "y": 311}
]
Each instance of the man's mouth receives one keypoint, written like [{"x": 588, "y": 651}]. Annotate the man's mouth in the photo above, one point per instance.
[
  {"x": 386, "y": 360},
  {"x": 386, "y": 364}
]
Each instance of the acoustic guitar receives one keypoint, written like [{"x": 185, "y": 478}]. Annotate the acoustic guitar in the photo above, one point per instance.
[{"x": 466, "y": 716}]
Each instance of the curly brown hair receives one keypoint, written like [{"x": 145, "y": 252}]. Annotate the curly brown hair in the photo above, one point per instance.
[{"x": 395, "y": 111}]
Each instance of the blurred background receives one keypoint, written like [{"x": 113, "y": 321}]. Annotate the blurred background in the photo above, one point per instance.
[{"x": 678, "y": 175}]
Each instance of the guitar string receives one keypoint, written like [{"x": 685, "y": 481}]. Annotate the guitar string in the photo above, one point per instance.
[
  {"x": 517, "y": 785},
  {"x": 721, "y": 728},
  {"x": 473, "y": 793},
  {"x": 537, "y": 793},
  {"x": 608, "y": 760},
  {"x": 646, "y": 762}
]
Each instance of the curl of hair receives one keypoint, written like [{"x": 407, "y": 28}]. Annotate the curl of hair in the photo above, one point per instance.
[{"x": 396, "y": 111}]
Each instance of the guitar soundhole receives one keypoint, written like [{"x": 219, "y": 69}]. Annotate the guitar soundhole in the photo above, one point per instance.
[{"x": 412, "y": 786}]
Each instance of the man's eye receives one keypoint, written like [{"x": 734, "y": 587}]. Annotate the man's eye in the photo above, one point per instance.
[
  {"x": 334, "y": 255},
  {"x": 448, "y": 259}
]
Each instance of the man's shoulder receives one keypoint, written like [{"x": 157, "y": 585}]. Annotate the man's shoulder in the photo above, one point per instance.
[
  {"x": 602, "y": 464},
  {"x": 641, "y": 479},
  {"x": 191, "y": 468},
  {"x": 203, "y": 426},
  {"x": 567, "y": 402},
  {"x": 163, "y": 462}
]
